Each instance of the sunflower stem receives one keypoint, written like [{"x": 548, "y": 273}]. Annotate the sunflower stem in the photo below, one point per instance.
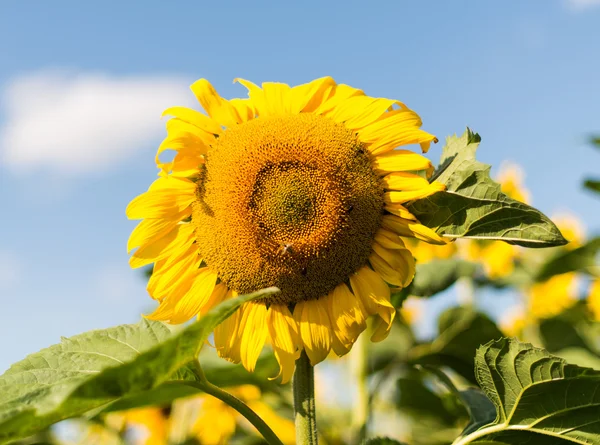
[
  {"x": 203, "y": 384},
  {"x": 304, "y": 402},
  {"x": 360, "y": 411}
]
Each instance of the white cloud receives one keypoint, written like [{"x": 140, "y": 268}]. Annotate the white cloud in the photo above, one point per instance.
[
  {"x": 11, "y": 270},
  {"x": 77, "y": 123},
  {"x": 580, "y": 5}
]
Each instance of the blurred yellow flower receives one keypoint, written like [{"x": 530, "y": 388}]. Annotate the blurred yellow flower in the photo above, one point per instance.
[
  {"x": 425, "y": 252},
  {"x": 510, "y": 178},
  {"x": 593, "y": 299},
  {"x": 572, "y": 229},
  {"x": 513, "y": 322},
  {"x": 148, "y": 426},
  {"x": 217, "y": 421},
  {"x": 205, "y": 418},
  {"x": 412, "y": 309},
  {"x": 553, "y": 296},
  {"x": 497, "y": 257}
]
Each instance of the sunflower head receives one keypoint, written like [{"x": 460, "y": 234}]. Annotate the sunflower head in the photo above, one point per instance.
[
  {"x": 298, "y": 211},
  {"x": 301, "y": 188}
]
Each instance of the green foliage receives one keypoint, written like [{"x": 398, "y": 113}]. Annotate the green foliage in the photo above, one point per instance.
[
  {"x": 473, "y": 205},
  {"x": 461, "y": 332},
  {"x": 383, "y": 441},
  {"x": 438, "y": 275},
  {"x": 539, "y": 398},
  {"x": 581, "y": 259},
  {"x": 99, "y": 367},
  {"x": 592, "y": 184}
]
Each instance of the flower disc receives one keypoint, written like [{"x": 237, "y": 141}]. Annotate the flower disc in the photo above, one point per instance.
[{"x": 287, "y": 201}]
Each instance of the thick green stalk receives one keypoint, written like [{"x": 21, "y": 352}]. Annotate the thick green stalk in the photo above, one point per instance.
[
  {"x": 203, "y": 384},
  {"x": 304, "y": 402}
]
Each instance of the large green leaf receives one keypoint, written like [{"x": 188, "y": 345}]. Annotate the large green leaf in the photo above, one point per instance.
[
  {"x": 461, "y": 332},
  {"x": 473, "y": 205},
  {"x": 581, "y": 259},
  {"x": 92, "y": 369},
  {"x": 539, "y": 398},
  {"x": 219, "y": 373}
]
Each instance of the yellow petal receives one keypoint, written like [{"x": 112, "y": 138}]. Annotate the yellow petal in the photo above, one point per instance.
[
  {"x": 340, "y": 349},
  {"x": 373, "y": 292},
  {"x": 217, "y": 296},
  {"x": 253, "y": 333},
  {"x": 256, "y": 95},
  {"x": 184, "y": 137},
  {"x": 389, "y": 240},
  {"x": 283, "y": 332},
  {"x": 404, "y": 227},
  {"x": 399, "y": 197},
  {"x": 184, "y": 165},
  {"x": 150, "y": 230},
  {"x": 404, "y": 181},
  {"x": 169, "y": 273},
  {"x": 383, "y": 268},
  {"x": 357, "y": 112},
  {"x": 395, "y": 129},
  {"x": 244, "y": 109},
  {"x": 216, "y": 107},
  {"x": 400, "y": 261},
  {"x": 401, "y": 211},
  {"x": 227, "y": 340},
  {"x": 277, "y": 98},
  {"x": 314, "y": 329},
  {"x": 167, "y": 199},
  {"x": 381, "y": 328},
  {"x": 194, "y": 118},
  {"x": 401, "y": 160},
  {"x": 180, "y": 237},
  {"x": 197, "y": 297},
  {"x": 347, "y": 315},
  {"x": 309, "y": 96},
  {"x": 375, "y": 296},
  {"x": 337, "y": 95}
]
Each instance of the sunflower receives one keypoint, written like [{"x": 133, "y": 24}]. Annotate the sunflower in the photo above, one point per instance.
[
  {"x": 300, "y": 188},
  {"x": 551, "y": 297}
]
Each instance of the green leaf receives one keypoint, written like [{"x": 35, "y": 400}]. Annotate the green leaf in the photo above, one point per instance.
[
  {"x": 416, "y": 398},
  {"x": 461, "y": 332},
  {"x": 218, "y": 372},
  {"x": 559, "y": 333},
  {"x": 581, "y": 259},
  {"x": 592, "y": 184},
  {"x": 383, "y": 441},
  {"x": 481, "y": 409},
  {"x": 92, "y": 369},
  {"x": 473, "y": 205},
  {"x": 539, "y": 398},
  {"x": 438, "y": 275}
]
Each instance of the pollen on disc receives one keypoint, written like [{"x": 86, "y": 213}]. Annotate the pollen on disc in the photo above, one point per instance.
[{"x": 287, "y": 201}]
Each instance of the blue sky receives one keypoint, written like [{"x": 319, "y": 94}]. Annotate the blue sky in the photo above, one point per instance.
[{"x": 82, "y": 86}]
